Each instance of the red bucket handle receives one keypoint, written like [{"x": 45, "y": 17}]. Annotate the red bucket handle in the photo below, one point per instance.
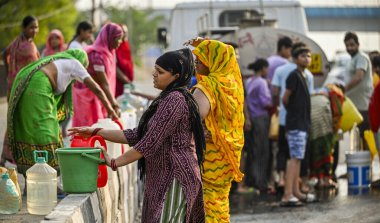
[
  {"x": 80, "y": 141},
  {"x": 118, "y": 122}
]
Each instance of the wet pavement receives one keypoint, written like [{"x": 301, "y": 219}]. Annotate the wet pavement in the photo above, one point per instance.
[{"x": 333, "y": 206}]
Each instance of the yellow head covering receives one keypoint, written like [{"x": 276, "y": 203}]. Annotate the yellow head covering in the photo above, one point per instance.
[{"x": 224, "y": 89}]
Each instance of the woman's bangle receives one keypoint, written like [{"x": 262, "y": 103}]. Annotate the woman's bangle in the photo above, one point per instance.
[
  {"x": 96, "y": 131},
  {"x": 113, "y": 165}
]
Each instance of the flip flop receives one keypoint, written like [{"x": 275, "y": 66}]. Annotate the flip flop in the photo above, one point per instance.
[{"x": 292, "y": 202}]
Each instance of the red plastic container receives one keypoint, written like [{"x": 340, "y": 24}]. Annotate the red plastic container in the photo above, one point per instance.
[{"x": 79, "y": 141}]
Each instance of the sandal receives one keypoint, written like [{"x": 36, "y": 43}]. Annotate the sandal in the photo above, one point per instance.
[
  {"x": 292, "y": 202},
  {"x": 309, "y": 198},
  {"x": 329, "y": 184}
]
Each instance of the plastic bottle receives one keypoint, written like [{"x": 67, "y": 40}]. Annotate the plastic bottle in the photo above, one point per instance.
[
  {"x": 355, "y": 141},
  {"x": 138, "y": 103},
  {"x": 9, "y": 196},
  {"x": 41, "y": 180},
  {"x": 128, "y": 115}
]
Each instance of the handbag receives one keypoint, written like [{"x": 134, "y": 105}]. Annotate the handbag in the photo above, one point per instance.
[{"x": 274, "y": 127}]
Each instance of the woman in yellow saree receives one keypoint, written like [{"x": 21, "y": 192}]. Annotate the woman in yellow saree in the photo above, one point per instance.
[{"x": 220, "y": 95}]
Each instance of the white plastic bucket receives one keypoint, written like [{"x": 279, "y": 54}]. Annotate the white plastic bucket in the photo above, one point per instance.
[{"x": 358, "y": 169}]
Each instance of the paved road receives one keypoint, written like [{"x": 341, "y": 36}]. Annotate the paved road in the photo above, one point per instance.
[
  {"x": 342, "y": 205},
  {"x": 335, "y": 206}
]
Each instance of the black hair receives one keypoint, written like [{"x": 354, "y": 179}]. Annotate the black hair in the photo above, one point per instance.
[
  {"x": 351, "y": 35},
  {"x": 27, "y": 20},
  {"x": 298, "y": 45},
  {"x": 284, "y": 42},
  {"x": 234, "y": 45},
  {"x": 258, "y": 65},
  {"x": 376, "y": 61},
  {"x": 299, "y": 48},
  {"x": 374, "y": 52},
  {"x": 84, "y": 25}
]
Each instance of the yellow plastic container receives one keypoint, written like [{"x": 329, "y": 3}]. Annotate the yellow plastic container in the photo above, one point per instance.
[
  {"x": 370, "y": 139},
  {"x": 350, "y": 116}
]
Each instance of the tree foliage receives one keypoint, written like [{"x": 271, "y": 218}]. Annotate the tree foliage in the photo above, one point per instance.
[
  {"x": 52, "y": 14},
  {"x": 142, "y": 25}
]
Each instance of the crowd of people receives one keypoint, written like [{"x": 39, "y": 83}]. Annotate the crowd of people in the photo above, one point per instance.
[
  {"x": 191, "y": 144},
  {"x": 58, "y": 62},
  {"x": 306, "y": 149}
]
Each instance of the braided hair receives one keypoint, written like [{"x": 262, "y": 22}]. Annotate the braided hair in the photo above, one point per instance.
[{"x": 176, "y": 62}]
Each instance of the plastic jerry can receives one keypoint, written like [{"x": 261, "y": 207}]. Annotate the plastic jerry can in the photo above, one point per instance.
[
  {"x": 9, "y": 196},
  {"x": 41, "y": 181}
]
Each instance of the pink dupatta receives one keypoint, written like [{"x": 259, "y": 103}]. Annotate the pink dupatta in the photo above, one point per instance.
[
  {"x": 49, "y": 49},
  {"x": 87, "y": 107}
]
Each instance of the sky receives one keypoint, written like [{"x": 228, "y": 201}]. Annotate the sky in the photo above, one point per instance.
[{"x": 86, "y": 4}]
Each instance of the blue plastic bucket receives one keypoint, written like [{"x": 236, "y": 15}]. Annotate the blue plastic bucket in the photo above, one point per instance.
[{"x": 358, "y": 169}]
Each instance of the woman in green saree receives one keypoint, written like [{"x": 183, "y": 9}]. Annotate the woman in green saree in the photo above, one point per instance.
[{"x": 40, "y": 99}]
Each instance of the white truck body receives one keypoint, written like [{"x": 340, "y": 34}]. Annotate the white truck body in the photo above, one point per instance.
[
  {"x": 190, "y": 19},
  {"x": 260, "y": 42},
  {"x": 184, "y": 23}
]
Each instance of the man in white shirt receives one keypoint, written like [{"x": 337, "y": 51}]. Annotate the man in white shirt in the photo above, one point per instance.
[{"x": 359, "y": 84}]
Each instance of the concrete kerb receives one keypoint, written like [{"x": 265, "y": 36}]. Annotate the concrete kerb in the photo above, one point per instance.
[
  {"x": 76, "y": 208},
  {"x": 111, "y": 204}
]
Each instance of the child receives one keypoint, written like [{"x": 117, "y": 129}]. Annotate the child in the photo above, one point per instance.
[{"x": 297, "y": 103}]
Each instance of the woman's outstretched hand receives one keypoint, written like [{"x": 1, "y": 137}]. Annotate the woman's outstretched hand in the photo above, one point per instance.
[
  {"x": 194, "y": 41},
  {"x": 84, "y": 131}
]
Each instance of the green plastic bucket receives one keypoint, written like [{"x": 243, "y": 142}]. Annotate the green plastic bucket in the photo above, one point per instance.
[{"x": 79, "y": 169}]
